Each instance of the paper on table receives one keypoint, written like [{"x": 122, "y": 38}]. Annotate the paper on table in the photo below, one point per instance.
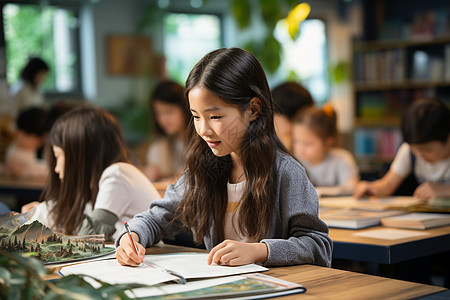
[
  {"x": 390, "y": 234},
  {"x": 180, "y": 288},
  {"x": 191, "y": 265}
]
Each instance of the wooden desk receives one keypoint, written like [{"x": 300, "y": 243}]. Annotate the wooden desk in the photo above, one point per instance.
[
  {"x": 348, "y": 246},
  {"x": 28, "y": 188},
  {"x": 327, "y": 283}
]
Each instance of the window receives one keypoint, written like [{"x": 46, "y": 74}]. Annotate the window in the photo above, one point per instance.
[
  {"x": 48, "y": 32},
  {"x": 305, "y": 59},
  {"x": 187, "y": 38}
]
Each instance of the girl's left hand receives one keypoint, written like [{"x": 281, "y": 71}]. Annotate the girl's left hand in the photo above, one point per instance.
[
  {"x": 234, "y": 253},
  {"x": 430, "y": 190}
]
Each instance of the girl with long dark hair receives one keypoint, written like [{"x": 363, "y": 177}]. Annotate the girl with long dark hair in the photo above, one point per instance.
[
  {"x": 241, "y": 194},
  {"x": 92, "y": 187}
]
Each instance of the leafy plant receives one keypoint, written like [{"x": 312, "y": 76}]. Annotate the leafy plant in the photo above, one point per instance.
[
  {"x": 268, "y": 49},
  {"x": 21, "y": 277}
]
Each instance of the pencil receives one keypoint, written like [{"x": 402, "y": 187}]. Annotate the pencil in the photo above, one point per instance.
[{"x": 131, "y": 237}]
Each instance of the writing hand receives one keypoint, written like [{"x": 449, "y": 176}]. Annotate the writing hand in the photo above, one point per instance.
[
  {"x": 126, "y": 254},
  {"x": 234, "y": 253}
]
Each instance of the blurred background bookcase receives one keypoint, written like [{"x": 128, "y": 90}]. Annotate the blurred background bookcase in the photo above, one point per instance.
[{"x": 396, "y": 61}]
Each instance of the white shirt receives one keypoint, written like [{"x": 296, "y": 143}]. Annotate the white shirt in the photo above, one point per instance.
[
  {"x": 436, "y": 172},
  {"x": 123, "y": 191},
  {"x": 24, "y": 96},
  {"x": 169, "y": 161},
  {"x": 25, "y": 162},
  {"x": 336, "y": 169},
  {"x": 231, "y": 225}
]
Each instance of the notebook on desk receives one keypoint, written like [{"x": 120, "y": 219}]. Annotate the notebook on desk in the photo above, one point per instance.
[
  {"x": 354, "y": 219},
  {"x": 189, "y": 265},
  {"x": 372, "y": 203},
  {"x": 417, "y": 221},
  {"x": 203, "y": 280}
]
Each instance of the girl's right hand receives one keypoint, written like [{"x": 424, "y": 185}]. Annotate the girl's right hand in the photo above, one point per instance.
[
  {"x": 29, "y": 206},
  {"x": 126, "y": 254}
]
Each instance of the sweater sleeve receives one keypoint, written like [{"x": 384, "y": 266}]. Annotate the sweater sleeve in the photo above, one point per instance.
[
  {"x": 157, "y": 221},
  {"x": 301, "y": 238}
]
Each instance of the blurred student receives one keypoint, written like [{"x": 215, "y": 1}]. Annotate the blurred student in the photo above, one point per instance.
[
  {"x": 289, "y": 98},
  {"x": 314, "y": 133},
  {"x": 26, "y": 91},
  {"x": 21, "y": 160},
  {"x": 92, "y": 188},
  {"x": 165, "y": 156},
  {"x": 425, "y": 154}
]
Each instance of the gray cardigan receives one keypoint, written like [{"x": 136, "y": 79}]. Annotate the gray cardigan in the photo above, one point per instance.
[{"x": 297, "y": 235}]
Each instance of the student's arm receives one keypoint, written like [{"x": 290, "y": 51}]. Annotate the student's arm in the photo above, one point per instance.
[
  {"x": 29, "y": 206},
  {"x": 156, "y": 222},
  {"x": 299, "y": 236},
  {"x": 99, "y": 222},
  {"x": 384, "y": 186},
  {"x": 348, "y": 174},
  {"x": 431, "y": 190}
]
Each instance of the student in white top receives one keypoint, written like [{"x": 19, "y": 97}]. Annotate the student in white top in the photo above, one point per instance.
[
  {"x": 93, "y": 189},
  {"x": 26, "y": 91},
  {"x": 21, "y": 161},
  {"x": 425, "y": 154},
  {"x": 165, "y": 156},
  {"x": 314, "y": 134}
]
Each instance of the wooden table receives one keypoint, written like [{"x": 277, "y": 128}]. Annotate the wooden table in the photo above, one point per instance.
[
  {"x": 29, "y": 188},
  {"x": 327, "y": 283},
  {"x": 383, "y": 251}
]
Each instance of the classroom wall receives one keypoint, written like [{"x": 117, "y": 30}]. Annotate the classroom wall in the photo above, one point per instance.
[{"x": 101, "y": 18}]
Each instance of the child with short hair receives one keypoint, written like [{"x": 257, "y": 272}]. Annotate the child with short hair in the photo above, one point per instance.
[
  {"x": 289, "y": 99},
  {"x": 314, "y": 134},
  {"x": 92, "y": 187},
  {"x": 21, "y": 160},
  {"x": 425, "y": 154},
  {"x": 242, "y": 193}
]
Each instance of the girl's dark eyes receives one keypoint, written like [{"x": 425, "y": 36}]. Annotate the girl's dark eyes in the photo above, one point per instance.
[{"x": 212, "y": 118}]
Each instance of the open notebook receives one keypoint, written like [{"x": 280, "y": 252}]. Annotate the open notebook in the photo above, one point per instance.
[
  {"x": 203, "y": 280},
  {"x": 189, "y": 265}
]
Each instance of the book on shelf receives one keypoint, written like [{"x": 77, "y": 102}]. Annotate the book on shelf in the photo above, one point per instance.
[
  {"x": 203, "y": 280},
  {"x": 371, "y": 203},
  {"x": 379, "y": 142},
  {"x": 354, "y": 219},
  {"x": 417, "y": 220}
]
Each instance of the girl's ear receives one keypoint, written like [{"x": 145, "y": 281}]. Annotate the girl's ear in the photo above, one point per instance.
[{"x": 254, "y": 108}]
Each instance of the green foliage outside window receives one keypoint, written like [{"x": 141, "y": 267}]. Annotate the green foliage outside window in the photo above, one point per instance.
[{"x": 29, "y": 31}]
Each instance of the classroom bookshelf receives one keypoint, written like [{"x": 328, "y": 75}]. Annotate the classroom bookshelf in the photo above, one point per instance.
[
  {"x": 402, "y": 55},
  {"x": 387, "y": 76}
]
